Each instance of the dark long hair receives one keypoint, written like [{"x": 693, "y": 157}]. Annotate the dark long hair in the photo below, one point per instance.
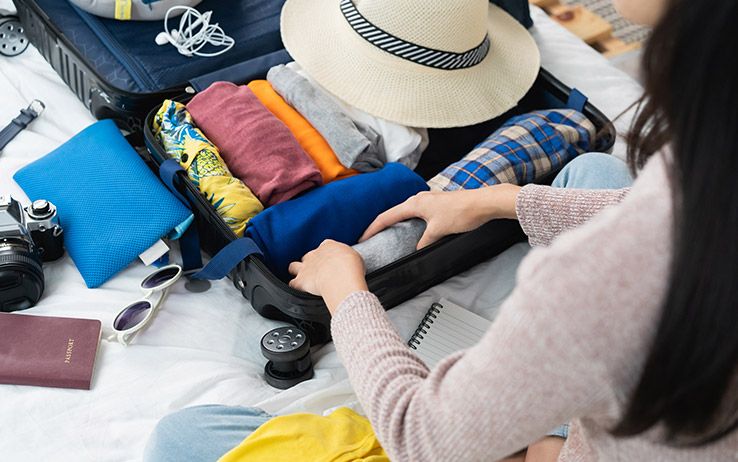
[{"x": 690, "y": 67}]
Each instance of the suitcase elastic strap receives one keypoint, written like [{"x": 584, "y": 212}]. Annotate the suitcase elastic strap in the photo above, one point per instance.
[
  {"x": 577, "y": 100},
  {"x": 224, "y": 261}
]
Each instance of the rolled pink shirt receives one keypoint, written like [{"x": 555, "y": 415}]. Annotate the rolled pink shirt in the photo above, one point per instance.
[{"x": 257, "y": 147}]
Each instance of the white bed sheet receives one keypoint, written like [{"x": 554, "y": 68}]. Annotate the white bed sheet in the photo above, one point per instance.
[{"x": 203, "y": 348}]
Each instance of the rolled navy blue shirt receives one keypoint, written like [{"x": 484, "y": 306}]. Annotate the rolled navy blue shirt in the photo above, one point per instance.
[{"x": 340, "y": 210}]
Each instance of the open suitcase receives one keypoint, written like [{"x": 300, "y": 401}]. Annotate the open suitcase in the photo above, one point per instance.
[
  {"x": 407, "y": 277},
  {"x": 117, "y": 70},
  {"x": 269, "y": 295}
]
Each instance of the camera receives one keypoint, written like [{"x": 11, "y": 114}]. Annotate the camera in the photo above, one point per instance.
[{"x": 28, "y": 237}]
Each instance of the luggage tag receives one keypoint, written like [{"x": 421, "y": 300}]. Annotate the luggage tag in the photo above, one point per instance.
[
  {"x": 123, "y": 9},
  {"x": 155, "y": 253}
]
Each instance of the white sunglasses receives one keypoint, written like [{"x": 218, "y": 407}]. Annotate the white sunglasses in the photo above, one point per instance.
[{"x": 138, "y": 314}]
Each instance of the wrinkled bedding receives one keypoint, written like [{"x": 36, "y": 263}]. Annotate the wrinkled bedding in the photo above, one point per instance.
[{"x": 204, "y": 348}]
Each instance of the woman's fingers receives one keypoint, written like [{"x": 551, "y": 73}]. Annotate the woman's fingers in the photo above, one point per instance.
[
  {"x": 296, "y": 283},
  {"x": 396, "y": 214},
  {"x": 427, "y": 238},
  {"x": 294, "y": 267}
]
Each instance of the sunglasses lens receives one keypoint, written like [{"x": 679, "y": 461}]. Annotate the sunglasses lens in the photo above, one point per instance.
[
  {"x": 160, "y": 277},
  {"x": 132, "y": 315}
]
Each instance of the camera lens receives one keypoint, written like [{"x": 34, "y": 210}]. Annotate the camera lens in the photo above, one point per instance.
[{"x": 21, "y": 276}]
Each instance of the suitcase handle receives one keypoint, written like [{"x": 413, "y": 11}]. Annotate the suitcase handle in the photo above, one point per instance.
[
  {"x": 242, "y": 72},
  {"x": 222, "y": 263}
]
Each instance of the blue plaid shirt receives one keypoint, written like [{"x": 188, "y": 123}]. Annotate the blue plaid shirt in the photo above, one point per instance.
[{"x": 524, "y": 150}]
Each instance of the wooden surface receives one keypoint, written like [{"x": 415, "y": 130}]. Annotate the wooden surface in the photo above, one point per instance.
[
  {"x": 614, "y": 47},
  {"x": 544, "y": 3},
  {"x": 582, "y": 22},
  {"x": 588, "y": 26}
]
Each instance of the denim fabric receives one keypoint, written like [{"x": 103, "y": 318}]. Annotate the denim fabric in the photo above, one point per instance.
[
  {"x": 594, "y": 170},
  {"x": 202, "y": 433},
  {"x": 560, "y": 431}
]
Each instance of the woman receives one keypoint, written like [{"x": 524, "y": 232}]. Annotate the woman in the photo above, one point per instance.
[{"x": 626, "y": 325}]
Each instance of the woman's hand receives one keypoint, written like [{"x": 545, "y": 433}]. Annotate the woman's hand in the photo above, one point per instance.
[
  {"x": 450, "y": 212},
  {"x": 333, "y": 271}
]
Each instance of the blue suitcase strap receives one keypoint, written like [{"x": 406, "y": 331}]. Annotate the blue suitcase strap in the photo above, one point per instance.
[
  {"x": 224, "y": 261},
  {"x": 227, "y": 259},
  {"x": 168, "y": 171},
  {"x": 577, "y": 100},
  {"x": 244, "y": 72}
]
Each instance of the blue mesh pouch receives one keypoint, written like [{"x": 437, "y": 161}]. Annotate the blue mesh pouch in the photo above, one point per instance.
[{"x": 111, "y": 205}]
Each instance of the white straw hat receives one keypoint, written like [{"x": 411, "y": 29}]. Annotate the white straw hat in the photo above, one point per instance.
[{"x": 421, "y": 63}]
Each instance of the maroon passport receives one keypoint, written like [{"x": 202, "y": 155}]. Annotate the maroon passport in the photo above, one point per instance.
[{"x": 48, "y": 351}]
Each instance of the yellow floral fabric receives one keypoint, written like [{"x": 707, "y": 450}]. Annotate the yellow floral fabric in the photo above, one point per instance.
[
  {"x": 342, "y": 436},
  {"x": 183, "y": 141}
]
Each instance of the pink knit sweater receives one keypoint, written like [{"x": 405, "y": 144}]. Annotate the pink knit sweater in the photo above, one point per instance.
[{"x": 567, "y": 346}]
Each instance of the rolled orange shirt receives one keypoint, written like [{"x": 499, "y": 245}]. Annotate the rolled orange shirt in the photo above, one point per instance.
[{"x": 309, "y": 138}]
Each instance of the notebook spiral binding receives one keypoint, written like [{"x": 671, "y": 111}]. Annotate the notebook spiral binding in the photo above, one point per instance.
[{"x": 430, "y": 315}]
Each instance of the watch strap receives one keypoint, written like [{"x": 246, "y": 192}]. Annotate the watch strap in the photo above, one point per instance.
[{"x": 18, "y": 124}]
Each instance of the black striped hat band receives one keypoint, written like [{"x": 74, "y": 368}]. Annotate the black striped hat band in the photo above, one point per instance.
[{"x": 418, "y": 54}]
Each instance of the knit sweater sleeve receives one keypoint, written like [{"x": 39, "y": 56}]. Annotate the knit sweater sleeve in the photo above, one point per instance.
[
  {"x": 545, "y": 212},
  {"x": 551, "y": 354}
]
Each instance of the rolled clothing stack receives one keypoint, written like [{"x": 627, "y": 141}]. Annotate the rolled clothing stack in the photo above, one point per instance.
[
  {"x": 525, "y": 149},
  {"x": 257, "y": 147},
  {"x": 400, "y": 143},
  {"x": 356, "y": 146},
  {"x": 184, "y": 142},
  {"x": 309, "y": 138},
  {"x": 340, "y": 210}
]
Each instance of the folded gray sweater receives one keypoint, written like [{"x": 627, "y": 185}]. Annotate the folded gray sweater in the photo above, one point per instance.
[{"x": 355, "y": 146}]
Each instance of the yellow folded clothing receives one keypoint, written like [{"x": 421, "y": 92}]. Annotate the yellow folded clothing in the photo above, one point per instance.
[
  {"x": 232, "y": 199},
  {"x": 342, "y": 436}
]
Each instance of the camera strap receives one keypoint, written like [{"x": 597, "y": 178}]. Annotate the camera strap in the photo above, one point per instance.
[{"x": 18, "y": 124}]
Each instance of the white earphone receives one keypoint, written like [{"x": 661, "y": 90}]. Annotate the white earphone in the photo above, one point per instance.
[{"x": 195, "y": 31}]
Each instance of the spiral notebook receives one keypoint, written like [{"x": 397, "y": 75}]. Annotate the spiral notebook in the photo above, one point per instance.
[{"x": 446, "y": 328}]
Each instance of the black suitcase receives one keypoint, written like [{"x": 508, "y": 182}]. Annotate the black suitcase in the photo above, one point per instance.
[
  {"x": 92, "y": 71},
  {"x": 117, "y": 70},
  {"x": 409, "y": 276}
]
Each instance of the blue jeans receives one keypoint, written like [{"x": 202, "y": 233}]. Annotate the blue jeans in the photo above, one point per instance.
[
  {"x": 205, "y": 433},
  {"x": 202, "y": 433},
  {"x": 594, "y": 170}
]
